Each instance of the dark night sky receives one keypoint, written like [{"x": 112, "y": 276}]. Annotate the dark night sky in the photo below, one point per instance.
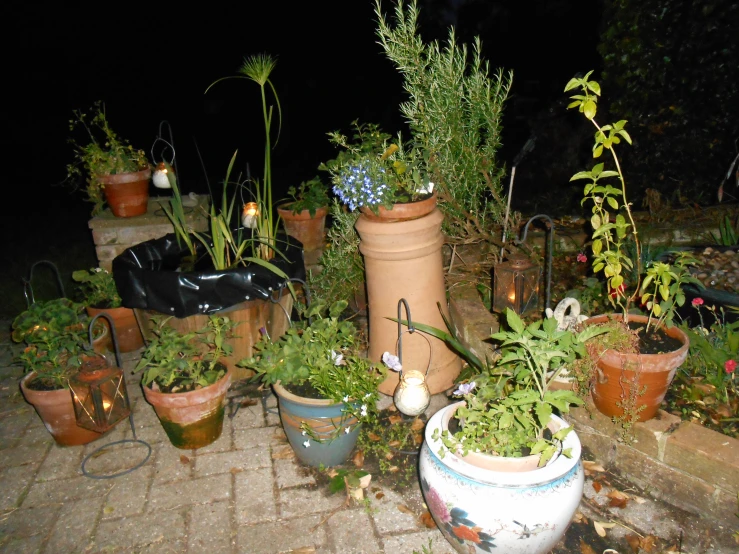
[{"x": 152, "y": 61}]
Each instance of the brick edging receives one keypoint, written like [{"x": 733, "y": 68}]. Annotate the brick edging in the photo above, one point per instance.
[{"x": 684, "y": 464}]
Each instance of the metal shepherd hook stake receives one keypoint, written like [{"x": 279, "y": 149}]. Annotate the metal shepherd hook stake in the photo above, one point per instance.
[{"x": 412, "y": 395}]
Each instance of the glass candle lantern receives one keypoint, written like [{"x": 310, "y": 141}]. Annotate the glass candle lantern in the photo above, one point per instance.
[
  {"x": 100, "y": 398},
  {"x": 516, "y": 285},
  {"x": 412, "y": 395}
]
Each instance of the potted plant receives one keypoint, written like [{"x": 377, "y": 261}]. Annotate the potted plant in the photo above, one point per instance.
[
  {"x": 99, "y": 294},
  {"x": 185, "y": 380},
  {"x": 629, "y": 383},
  {"x": 117, "y": 173},
  {"x": 234, "y": 270},
  {"x": 484, "y": 458},
  {"x": 304, "y": 217},
  {"x": 54, "y": 333},
  {"x": 325, "y": 389}
]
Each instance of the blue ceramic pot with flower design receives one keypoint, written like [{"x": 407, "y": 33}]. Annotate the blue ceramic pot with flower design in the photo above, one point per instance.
[
  {"x": 483, "y": 510},
  {"x": 320, "y": 431}
]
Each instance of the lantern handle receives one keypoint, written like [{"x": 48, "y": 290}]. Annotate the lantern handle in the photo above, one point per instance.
[
  {"x": 411, "y": 329},
  {"x": 28, "y": 287},
  {"x": 113, "y": 334},
  {"x": 549, "y": 253}
]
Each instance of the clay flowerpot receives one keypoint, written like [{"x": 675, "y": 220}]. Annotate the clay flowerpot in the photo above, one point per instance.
[
  {"x": 126, "y": 327},
  {"x": 643, "y": 376},
  {"x": 56, "y": 410},
  {"x": 304, "y": 227},
  {"x": 401, "y": 212},
  {"x": 516, "y": 512},
  {"x": 403, "y": 259},
  {"x": 191, "y": 419},
  {"x": 127, "y": 194},
  {"x": 328, "y": 422}
]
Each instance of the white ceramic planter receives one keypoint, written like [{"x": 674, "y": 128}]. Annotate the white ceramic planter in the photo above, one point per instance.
[{"x": 479, "y": 510}]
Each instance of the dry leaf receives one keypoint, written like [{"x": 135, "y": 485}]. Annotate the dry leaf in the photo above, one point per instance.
[
  {"x": 597, "y": 486},
  {"x": 389, "y": 455},
  {"x": 593, "y": 466},
  {"x": 235, "y": 470},
  {"x": 580, "y": 518},
  {"x": 394, "y": 444},
  {"x": 634, "y": 542},
  {"x": 418, "y": 439},
  {"x": 331, "y": 472},
  {"x": 358, "y": 458},
  {"x": 618, "y": 499},
  {"x": 304, "y": 550},
  {"x": 184, "y": 459},
  {"x": 649, "y": 543},
  {"x": 638, "y": 499},
  {"x": 393, "y": 419},
  {"x": 601, "y": 526},
  {"x": 374, "y": 437},
  {"x": 586, "y": 548},
  {"x": 417, "y": 425},
  {"x": 405, "y": 509},
  {"x": 379, "y": 495},
  {"x": 427, "y": 520},
  {"x": 356, "y": 494},
  {"x": 365, "y": 481},
  {"x": 284, "y": 453},
  {"x": 393, "y": 469}
]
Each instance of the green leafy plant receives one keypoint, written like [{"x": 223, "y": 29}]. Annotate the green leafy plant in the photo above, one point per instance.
[
  {"x": 258, "y": 69},
  {"x": 97, "y": 288},
  {"x": 342, "y": 265},
  {"x": 320, "y": 352},
  {"x": 180, "y": 362},
  {"x": 454, "y": 111},
  {"x": 728, "y": 233},
  {"x": 55, "y": 334},
  {"x": 373, "y": 171},
  {"x": 309, "y": 195},
  {"x": 658, "y": 285},
  {"x": 104, "y": 154},
  {"x": 508, "y": 404}
]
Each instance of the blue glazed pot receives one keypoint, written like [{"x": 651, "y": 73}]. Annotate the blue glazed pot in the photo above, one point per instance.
[{"x": 328, "y": 422}]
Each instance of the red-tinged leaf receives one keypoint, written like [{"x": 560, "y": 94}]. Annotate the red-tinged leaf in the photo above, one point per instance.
[
  {"x": 417, "y": 425},
  {"x": 427, "y": 520},
  {"x": 393, "y": 419},
  {"x": 634, "y": 542},
  {"x": 184, "y": 459},
  {"x": 374, "y": 437},
  {"x": 649, "y": 543},
  {"x": 380, "y": 495},
  {"x": 358, "y": 458},
  {"x": 597, "y": 486},
  {"x": 618, "y": 502},
  {"x": 585, "y": 548}
]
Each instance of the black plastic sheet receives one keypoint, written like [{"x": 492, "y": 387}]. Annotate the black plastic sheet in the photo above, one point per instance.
[{"x": 148, "y": 276}]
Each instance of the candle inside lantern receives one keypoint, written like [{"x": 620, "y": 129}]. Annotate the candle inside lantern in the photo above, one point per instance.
[
  {"x": 249, "y": 217},
  {"x": 159, "y": 178},
  {"x": 412, "y": 395}
]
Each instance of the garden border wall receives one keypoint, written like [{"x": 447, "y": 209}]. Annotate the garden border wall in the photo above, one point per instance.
[{"x": 681, "y": 463}]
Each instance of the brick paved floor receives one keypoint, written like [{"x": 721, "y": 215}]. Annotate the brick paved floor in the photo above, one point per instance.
[{"x": 245, "y": 493}]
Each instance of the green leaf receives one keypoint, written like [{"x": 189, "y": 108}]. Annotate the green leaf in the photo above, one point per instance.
[{"x": 589, "y": 109}]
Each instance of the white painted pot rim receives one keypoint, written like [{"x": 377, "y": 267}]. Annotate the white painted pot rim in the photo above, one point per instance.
[{"x": 551, "y": 472}]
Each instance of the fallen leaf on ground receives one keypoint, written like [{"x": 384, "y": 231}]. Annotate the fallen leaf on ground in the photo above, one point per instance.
[
  {"x": 649, "y": 543},
  {"x": 580, "y": 518},
  {"x": 379, "y": 495},
  {"x": 184, "y": 459},
  {"x": 585, "y": 548},
  {"x": 618, "y": 499},
  {"x": 417, "y": 425},
  {"x": 235, "y": 470},
  {"x": 428, "y": 520},
  {"x": 394, "y": 419},
  {"x": 638, "y": 499},
  {"x": 394, "y": 444},
  {"x": 331, "y": 472},
  {"x": 418, "y": 439},
  {"x": 358, "y": 458},
  {"x": 597, "y": 486},
  {"x": 634, "y": 542},
  {"x": 405, "y": 509},
  {"x": 303, "y": 550},
  {"x": 284, "y": 453},
  {"x": 593, "y": 466},
  {"x": 374, "y": 437},
  {"x": 601, "y": 526}
]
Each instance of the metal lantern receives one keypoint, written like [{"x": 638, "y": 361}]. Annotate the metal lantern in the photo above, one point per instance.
[
  {"x": 412, "y": 395},
  {"x": 516, "y": 285},
  {"x": 100, "y": 398}
]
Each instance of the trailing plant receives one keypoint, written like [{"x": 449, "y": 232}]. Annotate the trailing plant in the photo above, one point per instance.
[
  {"x": 97, "y": 288},
  {"x": 180, "y": 362},
  {"x": 105, "y": 153},
  {"x": 320, "y": 351},
  {"x": 342, "y": 265},
  {"x": 658, "y": 285},
  {"x": 309, "y": 195},
  {"x": 373, "y": 171},
  {"x": 454, "y": 111}
]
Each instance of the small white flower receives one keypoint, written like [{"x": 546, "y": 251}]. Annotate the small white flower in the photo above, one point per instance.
[
  {"x": 428, "y": 189},
  {"x": 364, "y": 410},
  {"x": 306, "y": 444},
  {"x": 347, "y": 430},
  {"x": 304, "y": 433},
  {"x": 366, "y": 396},
  {"x": 336, "y": 358},
  {"x": 391, "y": 361},
  {"x": 346, "y": 398}
]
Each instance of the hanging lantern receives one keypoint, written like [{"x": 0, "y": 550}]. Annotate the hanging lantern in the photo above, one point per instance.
[
  {"x": 516, "y": 285},
  {"x": 99, "y": 396},
  {"x": 249, "y": 217},
  {"x": 160, "y": 178}
]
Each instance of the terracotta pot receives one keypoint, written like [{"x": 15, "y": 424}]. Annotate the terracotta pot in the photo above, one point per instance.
[
  {"x": 251, "y": 315},
  {"x": 403, "y": 260},
  {"x": 56, "y": 410},
  {"x": 480, "y": 510},
  {"x": 326, "y": 419},
  {"x": 308, "y": 230},
  {"x": 127, "y": 194},
  {"x": 401, "y": 212},
  {"x": 191, "y": 419},
  {"x": 620, "y": 375},
  {"x": 126, "y": 327}
]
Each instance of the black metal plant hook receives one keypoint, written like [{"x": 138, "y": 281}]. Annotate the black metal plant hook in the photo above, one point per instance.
[
  {"x": 168, "y": 143},
  {"x": 28, "y": 287},
  {"x": 548, "y": 254}
]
